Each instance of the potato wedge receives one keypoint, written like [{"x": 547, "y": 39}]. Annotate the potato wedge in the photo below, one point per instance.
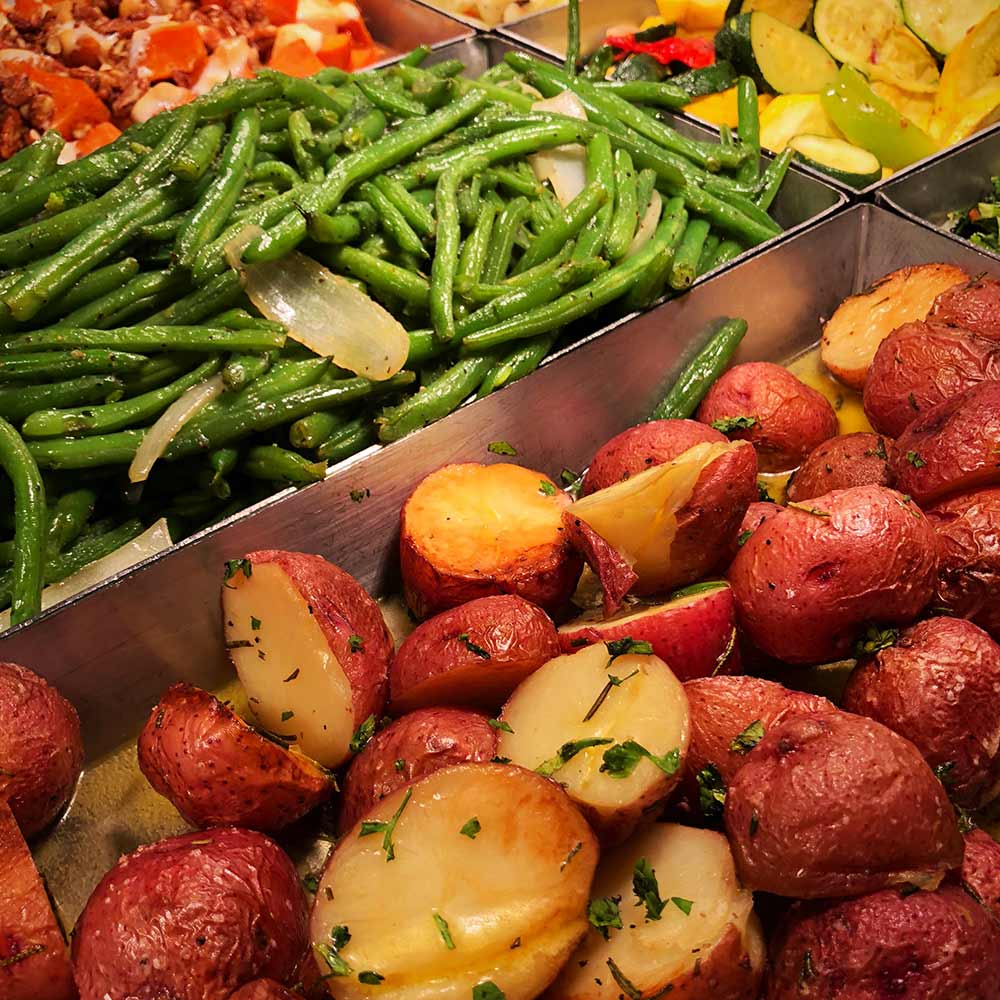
[
  {"x": 34, "y": 961},
  {"x": 471, "y": 530},
  {"x": 628, "y": 699},
  {"x": 489, "y": 880},
  {"x": 860, "y": 323},
  {"x": 310, "y": 646},
  {"x": 706, "y": 944}
]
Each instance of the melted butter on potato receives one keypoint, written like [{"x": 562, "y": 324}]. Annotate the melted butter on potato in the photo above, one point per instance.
[
  {"x": 513, "y": 897},
  {"x": 271, "y": 634},
  {"x": 809, "y": 368}
]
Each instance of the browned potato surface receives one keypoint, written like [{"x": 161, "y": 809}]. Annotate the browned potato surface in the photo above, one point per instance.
[
  {"x": 838, "y": 805},
  {"x": 981, "y": 869},
  {"x": 973, "y": 305},
  {"x": 858, "y": 459}
]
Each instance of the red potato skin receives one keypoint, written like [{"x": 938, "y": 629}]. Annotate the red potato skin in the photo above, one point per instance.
[
  {"x": 34, "y": 962},
  {"x": 939, "y": 687},
  {"x": 192, "y": 918},
  {"x": 953, "y": 447},
  {"x": 426, "y": 741},
  {"x": 844, "y": 461},
  {"x": 263, "y": 989},
  {"x": 939, "y": 945},
  {"x": 217, "y": 771},
  {"x": 342, "y": 608},
  {"x": 968, "y": 534},
  {"x": 973, "y": 306},
  {"x": 41, "y": 752},
  {"x": 792, "y": 418},
  {"x": 615, "y": 573},
  {"x": 434, "y": 666},
  {"x": 804, "y": 584},
  {"x": 643, "y": 446},
  {"x": 981, "y": 869},
  {"x": 920, "y": 365},
  {"x": 838, "y": 805}
]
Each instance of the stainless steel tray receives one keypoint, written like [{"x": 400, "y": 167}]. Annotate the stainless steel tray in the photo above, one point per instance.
[
  {"x": 401, "y": 25},
  {"x": 953, "y": 182},
  {"x": 115, "y": 651},
  {"x": 482, "y": 25}
]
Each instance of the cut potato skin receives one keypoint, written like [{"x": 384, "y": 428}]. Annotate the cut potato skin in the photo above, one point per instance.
[
  {"x": 939, "y": 945},
  {"x": 716, "y": 952},
  {"x": 613, "y": 569},
  {"x": 806, "y": 583},
  {"x": 217, "y": 771},
  {"x": 263, "y": 989},
  {"x": 34, "y": 962},
  {"x": 475, "y": 654},
  {"x": 838, "y": 805},
  {"x": 981, "y": 869},
  {"x": 858, "y": 459},
  {"x": 549, "y": 709},
  {"x": 860, "y": 323},
  {"x": 791, "y": 418},
  {"x": 192, "y": 918},
  {"x": 311, "y": 649},
  {"x": 471, "y": 530},
  {"x": 951, "y": 448},
  {"x": 920, "y": 365},
  {"x": 409, "y": 749},
  {"x": 514, "y": 896},
  {"x": 973, "y": 306},
  {"x": 939, "y": 687},
  {"x": 41, "y": 752}
]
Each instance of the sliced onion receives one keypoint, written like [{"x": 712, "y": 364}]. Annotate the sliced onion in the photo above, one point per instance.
[
  {"x": 173, "y": 418},
  {"x": 648, "y": 225},
  {"x": 323, "y": 311},
  {"x": 151, "y": 542},
  {"x": 564, "y": 167}
]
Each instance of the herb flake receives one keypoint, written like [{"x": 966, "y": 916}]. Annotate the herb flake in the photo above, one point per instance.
[
  {"x": 623, "y": 758},
  {"x": 501, "y": 448},
  {"x": 471, "y": 828},
  {"x": 647, "y": 889},
  {"x": 365, "y": 732},
  {"x": 444, "y": 931},
  {"x": 567, "y": 752},
  {"x": 604, "y": 914},
  {"x": 386, "y": 827},
  {"x": 748, "y": 739},
  {"x": 711, "y": 791}
]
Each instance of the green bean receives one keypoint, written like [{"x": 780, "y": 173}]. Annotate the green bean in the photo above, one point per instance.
[
  {"x": 563, "y": 227},
  {"x": 572, "y": 37},
  {"x": 242, "y": 369},
  {"x": 365, "y": 130},
  {"x": 727, "y": 251},
  {"x": 86, "y": 453},
  {"x": 380, "y": 275},
  {"x": 46, "y": 155},
  {"x": 685, "y": 266},
  {"x": 502, "y": 241},
  {"x": 728, "y": 217},
  {"x": 347, "y": 440},
  {"x": 276, "y": 144},
  {"x": 308, "y": 93},
  {"x": 378, "y": 246},
  {"x": 415, "y": 57},
  {"x": 398, "y": 105},
  {"x": 14, "y": 169},
  {"x": 480, "y": 293},
  {"x": 447, "y": 68},
  {"x": 392, "y": 220},
  {"x": 55, "y": 365},
  {"x": 337, "y": 228},
  {"x": 278, "y": 173},
  {"x": 221, "y": 462},
  {"x": 300, "y": 135},
  {"x": 69, "y": 516},
  {"x": 240, "y": 319},
  {"x": 193, "y": 161},
  {"x": 30, "y": 517},
  {"x": 102, "y": 311},
  {"x": 662, "y": 93},
  {"x": 473, "y": 256},
  {"x": 311, "y": 431},
  {"x": 221, "y": 292},
  {"x": 626, "y": 215},
  {"x": 706, "y": 258},
  {"x": 497, "y": 94},
  {"x": 521, "y": 361},
  {"x": 152, "y": 338},
  {"x": 90, "y": 287},
  {"x": 434, "y": 400},
  {"x": 701, "y": 372},
  {"x": 17, "y": 403},
  {"x": 644, "y": 185},
  {"x": 165, "y": 231},
  {"x": 116, "y": 416},
  {"x": 217, "y": 202},
  {"x": 748, "y": 128},
  {"x": 282, "y": 378},
  {"x": 419, "y": 217},
  {"x": 774, "y": 174},
  {"x": 271, "y": 462},
  {"x": 601, "y": 173},
  {"x": 469, "y": 196},
  {"x": 152, "y": 373},
  {"x": 653, "y": 281},
  {"x": 446, "y": 249}
]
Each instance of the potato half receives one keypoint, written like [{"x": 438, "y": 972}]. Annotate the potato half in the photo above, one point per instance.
[
  {"x": 479, "y": 872},
  {"x": 629, "y": 700},
  {"x": 706, "y": 943}
]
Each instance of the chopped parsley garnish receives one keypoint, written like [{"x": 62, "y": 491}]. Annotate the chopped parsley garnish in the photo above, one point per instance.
[
  {"x": 762, "y": 493},
  {"x": 729, "y": 424},
  {"x": 487, "y": 990},
  {"x": 386, "y": 827},
  {"x": 572, "y": 482},
  {"x": 915, "y": 460},
  {"x": 471, "y": 828},
  {"x": 628, "y": 645},
  {"x": 567, "y": 752},
  {"x": 254, "y": 623},
  {"x": 444, "y": 931},
  {"x": 743, "y": 538},
  {"x": 749, "y": 738},
  {"x": 287, "y": 714},
  {"x": 623, "y": 758},
  {"x": 357, "y": 496},
  {"x": 336, "y": 965},
  {"x": 573, "y": 852},
  {"x": 501, "y": 448},
  {"x": 647, "y": 889},
  {"x": 399, "y": 764},
  {"x": 613, "y": 682},
  {"x": 500, "y": 726},
  {"x": 234, "y": 566},
  {"x": 943, "y": 772},
  {"x": 624, "y": 983},
  {"x": 874, "y": 638},
  {"x": 604, "y": 914},
  {"x": 684, "y": 905},
  {"x": 356, "y": 643},
  {"x": 472, "y": 647},
  {"x": 711, "y": 791},
  {"x": 980, "y": 224},
  {"x": 370, "y": 978},
  {"x": 546, "y": 488},
  {"x": 365, "y": 732},
  {"x": 340, "y": 935}
]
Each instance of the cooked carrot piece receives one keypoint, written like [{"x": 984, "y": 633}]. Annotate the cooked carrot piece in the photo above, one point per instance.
[{"x": 173, "y": 48}]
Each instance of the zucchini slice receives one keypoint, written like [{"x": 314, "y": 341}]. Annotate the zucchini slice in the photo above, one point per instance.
[
  {"x": 779, "y": 58},
  {"x": 904, "y": 60},
  {"x": 838, "y": 158},
  {"x": 794, "y": 13},
  {"x": 850, "y": 29},
  {"x": 942, "y": 24}
]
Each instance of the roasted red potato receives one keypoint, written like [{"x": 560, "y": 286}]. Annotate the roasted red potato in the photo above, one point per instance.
[
  {"x": 691, "y": 933},
  {"x": 973, "y": 306},
  {"x": 692, "y": 631},
  {"x": 968, "y": 534},
  {"x": 765, "y": 404},
  {"x": 410, "y": 748},
  {"x": 729, "y": 717},
  {"x": 310, "y": 646},
  {"x": 643, "y": 446},
  {"x": 844, "y": 461},
  {"x": 860, "y": 323},
  {"x": 809, "y": 579},
  {"x": 217, "y": 771},
  {"x": 41, "y": 753},
  {"x": 34, "y": 962},
  {"x": 938, "y": 684},
  {"x": 939, "y": 945},
  {"x": 489, "y": 881},
  {"x": 192, "y": 918},
  {"x": 676, "y": 522},
  {"x": 981, "y": 869},
  {"x": 951, "y": 448},
  {"x": 264, "y": 989},
  {"x": 471, "y": 531},
  {"x": 837, "y": 805},
  {"x": 920, "y": 365},
  {"x": 610, "y": 725},
  {"x": 475, "y": 654}
]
